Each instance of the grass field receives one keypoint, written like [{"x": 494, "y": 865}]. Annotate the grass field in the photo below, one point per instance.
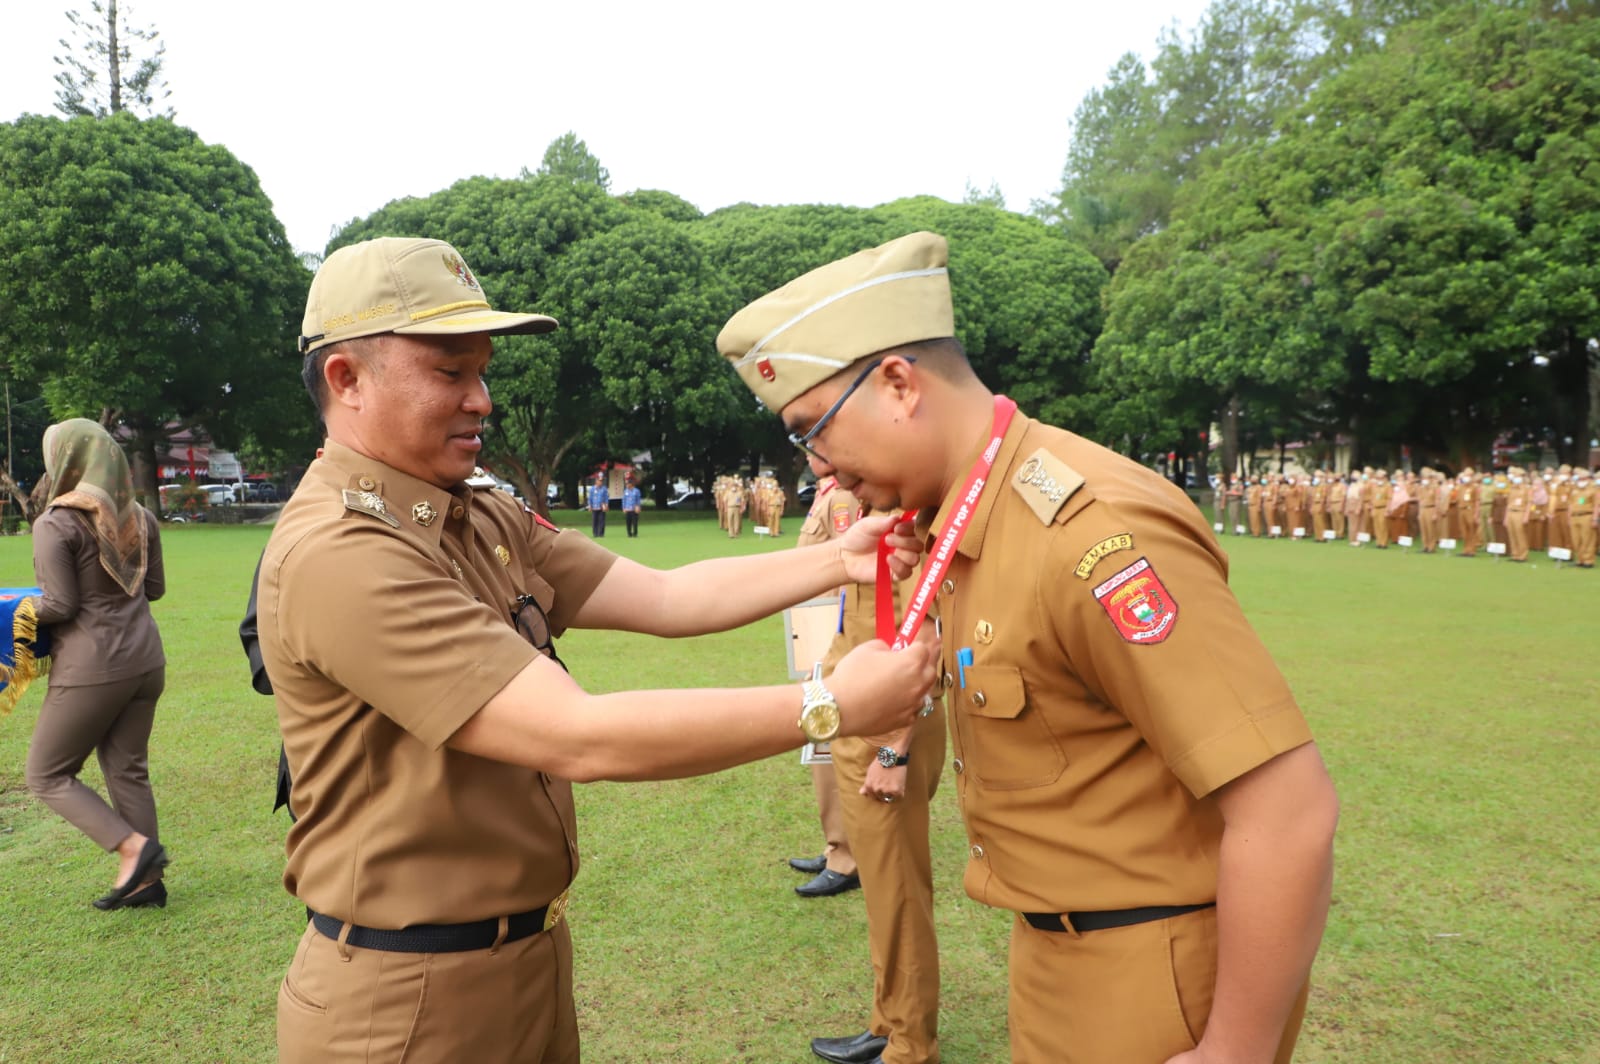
[{"x": 1455, "y": 703}]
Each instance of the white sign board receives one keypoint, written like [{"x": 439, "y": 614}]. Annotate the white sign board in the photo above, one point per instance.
[
  {"x": 1363, "y": 537},
  {"x": 1404, "y": 541},
  {"x": 1276, "y": 530},
  {"x": 1299, "y": 533},
  {"x": 1238, "y": 530},
  {"x": 1560, "y": 554},
  {"x": 1217, "y": 527},
  {"x": 1447, "y": 544},
  {"x": 224, "y": 465},
  {"x": 1496, "y": 548},
  {"x": 1328, "y": 533}
]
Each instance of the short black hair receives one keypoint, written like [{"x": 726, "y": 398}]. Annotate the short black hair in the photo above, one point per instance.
[{"x": 311, "y": 369}]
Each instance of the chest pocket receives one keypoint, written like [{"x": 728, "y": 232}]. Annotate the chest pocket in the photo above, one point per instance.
[{"x": 1008, "y": 745}]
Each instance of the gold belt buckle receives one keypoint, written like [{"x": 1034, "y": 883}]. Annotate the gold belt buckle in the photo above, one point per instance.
[{"x": 556, "y": 909}]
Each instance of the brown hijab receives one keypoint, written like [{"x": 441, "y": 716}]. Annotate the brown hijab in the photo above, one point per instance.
[{"x": 89, "y": 472}]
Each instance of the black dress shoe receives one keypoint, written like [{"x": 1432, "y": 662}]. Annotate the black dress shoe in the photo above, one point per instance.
[
  {"x": 152, "y": 858},
  {"x": 864, "y": 1048},
  {"x": 153, "y": 895},
  {"x": 809, "y": 865},
  {"x": 828, "y": 882}
]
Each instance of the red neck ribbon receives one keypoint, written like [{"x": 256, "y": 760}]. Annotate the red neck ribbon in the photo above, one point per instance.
[{"x": 949, "y": 538}]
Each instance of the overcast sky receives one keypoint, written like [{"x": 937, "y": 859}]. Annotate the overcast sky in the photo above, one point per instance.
[{"x": 342, "y": 106}]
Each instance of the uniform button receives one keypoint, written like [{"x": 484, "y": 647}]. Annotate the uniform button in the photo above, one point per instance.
[
  {"x": 947, "y": 680},
  {"x": 366, "y": 484},
  {"x": 978, "y": 699},
  {"x": 948, "y": 587},
  {"x": 959, "y": 765},
  {"x": 457, "y": 510},
  {"x": 977, "y": 852}
]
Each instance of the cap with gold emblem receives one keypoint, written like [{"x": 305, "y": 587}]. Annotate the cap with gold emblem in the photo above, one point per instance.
[
  {"x": 402, "y": 285},
  {"x": 791, "y": 340}
]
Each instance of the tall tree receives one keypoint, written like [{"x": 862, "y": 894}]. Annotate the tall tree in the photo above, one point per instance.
[
  {"x": 569, "y": 157},
  {"x": 100, "y": 75},
  {"x": 148, "y": 283}
]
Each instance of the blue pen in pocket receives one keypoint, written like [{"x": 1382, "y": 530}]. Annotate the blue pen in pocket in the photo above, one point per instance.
[{"x": 963, "y": 661}]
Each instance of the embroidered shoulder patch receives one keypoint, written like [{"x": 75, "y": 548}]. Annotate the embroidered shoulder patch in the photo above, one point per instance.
[
  {"x": 1110, "y": 545},
  {"x": 843, "y": 513},
  {"x": 370, "y": 503},
  {"x": 1045, "y": 483},
  {"x": 1139, "y": 605}
]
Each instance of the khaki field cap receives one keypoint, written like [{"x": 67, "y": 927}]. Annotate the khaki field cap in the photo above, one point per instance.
[
  {"x": 402, "y": 285},
  {"x": 791, "y": 340}
]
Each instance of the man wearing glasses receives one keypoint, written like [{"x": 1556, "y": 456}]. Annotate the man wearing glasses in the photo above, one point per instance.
[
  {"x": 407, "y": 621},
  {"x": 1138, "y": 784}
]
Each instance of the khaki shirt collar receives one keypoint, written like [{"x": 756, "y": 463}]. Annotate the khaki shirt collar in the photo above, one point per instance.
[
  {"x": 421, "y": 508},
  {"x": 972, "y": 542}
]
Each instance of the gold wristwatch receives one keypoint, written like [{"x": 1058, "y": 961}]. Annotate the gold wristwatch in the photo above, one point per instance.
[{"x": 819, "y": 713}]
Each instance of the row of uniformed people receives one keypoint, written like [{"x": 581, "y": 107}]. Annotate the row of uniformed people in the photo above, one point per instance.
[
  {"x": 1526, "y": 511},
  {"x": 761, "y": 499}
]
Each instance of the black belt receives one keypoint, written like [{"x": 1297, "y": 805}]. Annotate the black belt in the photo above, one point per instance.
[
  {"x": 435, "y": 938},
  {"x": 1105, "y": 919}
]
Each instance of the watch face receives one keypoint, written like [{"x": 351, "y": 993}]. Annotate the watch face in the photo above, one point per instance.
[
  {"x": 821, "y": 722},
  {"x": 887, "y": 756}
]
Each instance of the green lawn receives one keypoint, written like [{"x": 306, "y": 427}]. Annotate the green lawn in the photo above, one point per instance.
[{"x": 1455, "y": 702}]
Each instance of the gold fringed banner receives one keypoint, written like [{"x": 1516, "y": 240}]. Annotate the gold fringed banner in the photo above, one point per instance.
[{"x": 24, "y": 648}]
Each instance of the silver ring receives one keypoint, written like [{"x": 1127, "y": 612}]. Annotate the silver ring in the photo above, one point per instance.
[
  {"x": 927, "y": 706},
  {"x": 888, "y": 797}
]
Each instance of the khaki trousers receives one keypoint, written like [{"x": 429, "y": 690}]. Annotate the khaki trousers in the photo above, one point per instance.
[
  {"x": 1126, "y": 995},
  {"x": 114, "y": 721},
  {"x": 836, "y": 840},
  {"x": 1583, "y": 539},
  {"x": 1517, "y": 536},
  {"x": 890, "y": 841},
  {"x": 1561, "y": 530},
  {"x": 1255, "y": 521},
  {"x": 1471, "y": 534},
  {"x": 509, "y": 1004},
  {"x": 1430, "y": 531},
  {"x": 1336, "y": 521}
]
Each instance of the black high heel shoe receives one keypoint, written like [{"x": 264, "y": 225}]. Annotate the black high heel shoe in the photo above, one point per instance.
[{"x": 152, "y": 858}]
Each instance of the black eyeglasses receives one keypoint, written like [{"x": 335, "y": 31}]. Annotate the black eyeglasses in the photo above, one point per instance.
[
  {"x": 804, "y": 442},
  {"x": 532, "y": 624}
]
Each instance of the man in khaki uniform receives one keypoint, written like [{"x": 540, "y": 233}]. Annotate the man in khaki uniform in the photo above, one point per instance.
[
  {"x": 1561, "y": 509},
  {"x": 1354, "y": 505},
  {"x": 1427, "y": 499},
  {"x": 1255, "y": 502},
  {"x": 1319, "y": 506},
  {"x": 1138, "y": 784},
  {"x": 406, "y": 625},
  {"x": 886, "y": 784},
  {"x": 1585, "y": 518},
  {"x": 1336, "y": 497},
  {"x": 734, "y": 493},
  {"x": 1467, "y": 510},
  {"x": 1518, "y": 498},
  {"x": 834, "y": 870},
  {"x": 1295, "y": 507},
  {"x": 1381, "y": 491}
]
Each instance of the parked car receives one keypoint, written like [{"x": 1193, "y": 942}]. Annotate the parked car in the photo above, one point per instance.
[
  {"x": 690, "y": 500},
  {"x": 218, "y": 494},
  {"x": 260, "y": 491}
]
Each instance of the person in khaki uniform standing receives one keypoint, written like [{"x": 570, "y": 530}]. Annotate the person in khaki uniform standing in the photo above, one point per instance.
[
  {"x": 834, "y": 869},
  {"x": 406, "y": 623},
  {"x": 1517, "y": 499},
  {"x": 1561, "y": 508},
  {"x": 1467, "y": 496},
  {"x": 1255, "y": 502},
  {"x": 1336, "y": 504},
  {"x": 1319, "y": 507},
  {"x": 1354, "y": 505},
  {"x": 1138, "y": 785},
  {"x": 1585, "y": 517},
  {"x": 1381, "y": 491},
  {"x": 886, "y": 785},
  {"x": 1427, "y": 499}
]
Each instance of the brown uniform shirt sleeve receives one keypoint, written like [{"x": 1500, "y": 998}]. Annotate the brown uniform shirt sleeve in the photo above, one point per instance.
[
  {"x": 1202, "y": 691},
  {"x": 57, "y": 535},
  {"x": 374, "y": 616},
  {"x": 155, "y": 573}
]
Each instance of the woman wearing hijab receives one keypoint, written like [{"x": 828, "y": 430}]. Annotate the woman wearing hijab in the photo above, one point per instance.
[{"x": 97, "y": 557}]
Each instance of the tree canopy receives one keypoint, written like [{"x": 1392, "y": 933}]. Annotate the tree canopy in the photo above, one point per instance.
[
  {"x": 99, "y": 75},
  {"x": 147, "y": 282}
]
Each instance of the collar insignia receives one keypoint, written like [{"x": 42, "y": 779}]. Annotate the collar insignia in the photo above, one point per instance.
[{"x": 423, "y": 513}]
